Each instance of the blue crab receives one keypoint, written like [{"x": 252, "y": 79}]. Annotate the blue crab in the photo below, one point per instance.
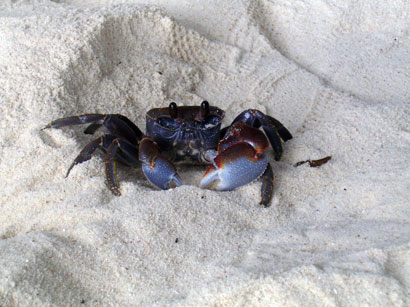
[{"x": 235, "y": 154}]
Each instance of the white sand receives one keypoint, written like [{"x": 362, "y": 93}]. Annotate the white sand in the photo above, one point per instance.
[{"x": 336, "y": 73}]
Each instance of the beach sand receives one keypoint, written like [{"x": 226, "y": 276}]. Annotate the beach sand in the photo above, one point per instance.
[{"x": 336, "y": 74}]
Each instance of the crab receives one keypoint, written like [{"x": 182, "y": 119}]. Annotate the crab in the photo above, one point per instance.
[{"x": 235, "y": 155}]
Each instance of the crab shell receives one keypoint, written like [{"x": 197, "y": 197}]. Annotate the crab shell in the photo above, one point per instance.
[{"x": 187, "y": 134}]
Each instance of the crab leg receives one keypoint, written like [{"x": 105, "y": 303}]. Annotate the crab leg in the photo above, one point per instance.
[
  {"x": 283, "y": 132},
  {"x": 240, "y": 160},
  {"x": 86, "y": 153},
  {"x": 76, "y": 120},
  {"x": 122, "y": 150},
  {"x": 111, "y": 168},
  {"x": 274, "y": 129},
  {"x": 116, "y": 124},
  {"x": 157, "y": 169},
  {"x": 267, "y": 186},
  {"x": 116, "y": 149},
  {"x": 92, "y": 128}
]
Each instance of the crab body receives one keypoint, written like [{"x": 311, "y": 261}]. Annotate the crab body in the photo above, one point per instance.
[{"x": 186, "y": 134}]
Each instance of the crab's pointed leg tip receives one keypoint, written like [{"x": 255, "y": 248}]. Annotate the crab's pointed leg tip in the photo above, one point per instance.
[
  {"x": 69, "y": 169},
  {"x": 116, "y": 192},
  {"x": 264, "y": 204}
]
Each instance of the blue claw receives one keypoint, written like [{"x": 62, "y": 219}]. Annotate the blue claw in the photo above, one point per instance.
[
  {"x": 236, "y": 166},
  {"x": 162, "y": 174},
  {"x": 158, "y": 170}
]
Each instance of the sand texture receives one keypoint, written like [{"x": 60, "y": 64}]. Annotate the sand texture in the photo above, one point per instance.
[{"x": 335, "y": 73}]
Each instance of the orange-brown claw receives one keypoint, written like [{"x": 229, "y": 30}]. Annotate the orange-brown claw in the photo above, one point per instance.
[
  {"x": 240, "y": 132},
  {"x": 234, "y": 167},
  {"x": 274, "y": 129},
  {"x": 240, "y": 159}
]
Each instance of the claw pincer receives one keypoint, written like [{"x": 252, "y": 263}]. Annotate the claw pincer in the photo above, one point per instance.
[
  {"x": 240, "y": 159},
  {"x": 157, "y": 169}
]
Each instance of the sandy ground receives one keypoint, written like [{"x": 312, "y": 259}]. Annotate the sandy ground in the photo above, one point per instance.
[{"x": 336, "y": 73}]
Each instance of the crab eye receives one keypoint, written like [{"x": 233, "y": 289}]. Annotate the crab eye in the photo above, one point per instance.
[
  {"x": 173, "y": 110},
  {"x": 167, "y": 123},
  {"x": 204, "y": 108}
]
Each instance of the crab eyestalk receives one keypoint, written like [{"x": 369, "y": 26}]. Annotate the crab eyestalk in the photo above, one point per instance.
[
  {"x": 204, "y": 108},
  {"x": 173, "y": 110}
]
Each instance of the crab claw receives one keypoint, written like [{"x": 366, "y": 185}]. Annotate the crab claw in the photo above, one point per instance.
[
  {"x": 237, "y": 165},
  {"x": 161, "y": 173},
  {"x": 157, "y": 169}
]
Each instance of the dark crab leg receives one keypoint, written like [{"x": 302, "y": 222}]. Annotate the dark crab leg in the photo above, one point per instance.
[
  {"x": 157, "y": 169},
  {"x": 119, "y": 149},
  {"x": 111, "y": 168},
  {"x": 86, "y": 153},
  {"x": 92, "y": 128},
  {"x": 274, "y": 129},
  {"x": 115, "y": 123},
  {"x": 267, "y": 186},
  {"x": 76, "y": 120},
  {"x": 240, "y": 160},
  {"x": 116, "y": 149}
]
